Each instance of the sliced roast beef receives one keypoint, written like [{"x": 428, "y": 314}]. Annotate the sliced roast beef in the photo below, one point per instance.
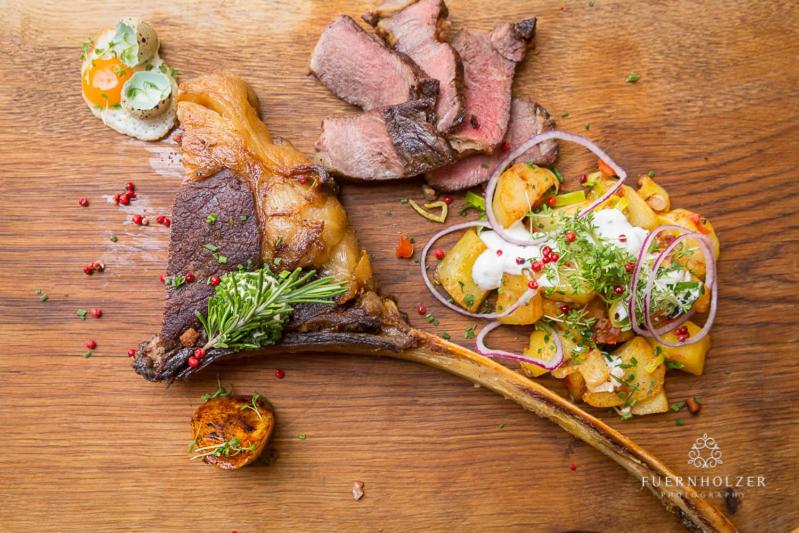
[
  {"x": 204, "y": 249},
  {"x": 388, "y": 143},
  {"x": 419, "y": 31},
  {"x": 526, "y": 119},
  {"x": 386, "y": 8},
  {"x": 358, "y": 68},
  {"x": 489, "y": 62}
]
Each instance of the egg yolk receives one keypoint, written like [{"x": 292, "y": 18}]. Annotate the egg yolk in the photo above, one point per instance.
[{"x": 102, "y": 82}]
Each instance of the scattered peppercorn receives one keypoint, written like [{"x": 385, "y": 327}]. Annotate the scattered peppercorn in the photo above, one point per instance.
[
  {"x": 551, "y": 201},
  {"x": 190, "y": 278},
  {"x": 618, "y": 290},
  {"x": 132, "y": 352},
  {"x": 573, "y": 467},
  {"x": 564, "y": 309},
  {"x": 96, "y": 312},
  {"x": 629, "y": 267},
  {"x": 447, "y": 199},
  {"x": 439, "y": 253},
  {"x": 199, "y": 353},
  {"x": 137, "y": 219},
  {"x": 421, "y": 309},
  {"x": 90, "y": 344},
  {"x": 124, "y": 199},
  {"x": 583, "y": 178},
  {"x": 163, "y": 278},
  {"x": 214, "y": 281},
  {"x": 280, "y": 374},
  {"x": 84, "y": 202},
  {"x": 193, "y": 361},
  {"x": 130, "y": 186},
  {"x": 570, "y": 236},
  {"x": 533, "y": 284}
]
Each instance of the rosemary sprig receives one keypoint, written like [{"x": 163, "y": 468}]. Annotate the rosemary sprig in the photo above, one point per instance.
[
  {"x": 228, "y": 448},
  {"x": 250, "y": 309}
]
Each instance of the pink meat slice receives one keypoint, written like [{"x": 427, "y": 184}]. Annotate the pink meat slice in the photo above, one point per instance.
[
  {"x": 360, "y": 69},
  {"x": 526, "y": 119},
  {"x": 489, "y": 62},
  {"x": 419, "y": 31}
]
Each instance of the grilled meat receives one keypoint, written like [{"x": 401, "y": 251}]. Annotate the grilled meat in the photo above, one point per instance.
[
  {"x": 420, "y": 31},
  {"x": 394, "y": 142},
  {"x": 489, "y": 62},
  {"x": 526, "y": 119},
  {"x": 358, "y": 68}
]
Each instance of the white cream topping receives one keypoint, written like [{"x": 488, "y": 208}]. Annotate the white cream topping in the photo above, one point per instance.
[{"x": 611, "y": 225}]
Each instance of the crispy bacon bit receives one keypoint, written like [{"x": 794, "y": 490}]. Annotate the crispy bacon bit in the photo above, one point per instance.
[
  {"x": 189, "y": 337},
  {"x": 605, "y": 333},
  {"x": 693, "y": 406}
]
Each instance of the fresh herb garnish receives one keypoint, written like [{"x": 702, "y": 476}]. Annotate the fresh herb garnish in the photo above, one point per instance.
[
  {"x": 679, "y": 422},
  {"x": 678, "y": 406},
  {"x": 228, "y": 448},
  {"x": 250, "y": 309},
  {"x": 633, "y": 77},
  {"x": 432, "y": 319},
  {"x": 175, "y": 282},
  {"x": 221, "y": 392},
  {"x": 211, "y": 218},
  {"x": 114, "y": 238},
  {"x": 473, "y": 202},
  {"x": 469, "y": 333},
  {"x": 253, "y": 406},
  {"x": 674, "y": 365},
  {"x": 564, "y": 115},
  {"x": 301, "y": 436},
  {"x": 82, "y": 313}
]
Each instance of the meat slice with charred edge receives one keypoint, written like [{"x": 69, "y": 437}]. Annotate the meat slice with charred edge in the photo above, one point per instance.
[
  {"x": 526, "y": 119},
  {"x": 419, "y": 30},
  {"x": 390, "y": 143}
]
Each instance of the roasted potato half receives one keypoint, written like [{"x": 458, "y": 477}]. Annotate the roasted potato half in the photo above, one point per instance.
[{"x": 231, "y": 432}]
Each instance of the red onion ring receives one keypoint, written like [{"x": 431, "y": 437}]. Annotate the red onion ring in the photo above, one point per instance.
[
  {"x": 524, "y": 147},
  {"x": 639, "y": 264},
  {"x": 710, "y": 283},
  {"x": 523, "y": 299},
  {"x": 501, "y": 354}
]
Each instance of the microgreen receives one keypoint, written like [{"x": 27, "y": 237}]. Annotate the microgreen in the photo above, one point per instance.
[
  {"x": 221, "y": 392},
  {"x": 228, "y": 448},
  {"x": 253, "y": 406},
  {"x": 633, "y": 77}
]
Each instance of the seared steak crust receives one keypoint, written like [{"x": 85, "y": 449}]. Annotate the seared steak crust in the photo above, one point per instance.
[
  {"x": 358, "y": 68},
  {"x": 234, "y": 239},
  {"x": 394, "y": 142}
]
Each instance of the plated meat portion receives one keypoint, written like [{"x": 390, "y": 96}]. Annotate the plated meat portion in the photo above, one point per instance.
[
  {"x": 389, "y": 143},
  {"x": 419, "y": 31},
  {"x": 358, "y": 68},
  {"x": 526, "y": 119},
  {"x": 489, "y": 62},
  {"x": 267, "y": 205},
  {"x": 206, "y": 250}
]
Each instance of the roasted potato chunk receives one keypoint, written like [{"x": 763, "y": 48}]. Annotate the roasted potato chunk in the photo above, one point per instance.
[
  {"x": 653, "y": 194},
  {"x": 231, "y": 432},
  {"x": 695, "y": 262},
  {"x": 454, "y": 272},
  {"x": 520, "y": 188},
  {"x": 511, "y": 289},
  {"x": 690, "y": 356}
]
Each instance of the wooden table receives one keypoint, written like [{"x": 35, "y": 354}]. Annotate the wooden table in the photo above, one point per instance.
[{"x": 90, "y": 446}]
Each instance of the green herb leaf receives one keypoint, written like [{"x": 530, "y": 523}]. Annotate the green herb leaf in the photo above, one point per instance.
[
  {"x": 87, "y": 354},
  {"x": 250, "y": 309},
  {"x": 470, "y": 333},
  {"x": 677, "y": 407},
  {"x": 211, "y": 218},
  {"x": 82, "y": 313},
  {"x": 114, "y": 238},
  {"x": 301, "y": 436},
  {"x": 679, "y": 422},
  {"x": 564, "y": 115},
  {"x": 633, "y": 77}
]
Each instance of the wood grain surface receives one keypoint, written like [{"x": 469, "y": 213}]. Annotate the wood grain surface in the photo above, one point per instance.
[{"x": 89, "y": 446}]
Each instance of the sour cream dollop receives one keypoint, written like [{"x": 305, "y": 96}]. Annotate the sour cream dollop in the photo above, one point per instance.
[
  {"x": 613, "y": 227},
  {"x": 501, "y": 257}
]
